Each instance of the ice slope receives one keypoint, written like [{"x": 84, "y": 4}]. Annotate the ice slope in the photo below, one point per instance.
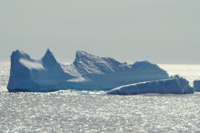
[
  {"x": 27, "y": 74},
  {"x": 174, "y": 85},
  {"x": 70, "y": 69},
  {"x": 196, "y": 85},
  {"x": 87, "y": 72},
  {"x": 107, "y": 73}
]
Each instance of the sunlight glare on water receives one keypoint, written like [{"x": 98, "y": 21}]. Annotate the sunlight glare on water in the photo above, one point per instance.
[
  {"x": 52, "y": 112},
  {"x": 94, "y": 111}
]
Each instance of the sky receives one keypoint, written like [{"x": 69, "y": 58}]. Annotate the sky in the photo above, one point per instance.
[{"x": 159, "y": 31}]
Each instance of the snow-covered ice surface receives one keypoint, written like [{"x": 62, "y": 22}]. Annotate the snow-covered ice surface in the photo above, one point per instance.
[
  {"x": 94, "y": 111},
  {"x": 174, "y": 85}
]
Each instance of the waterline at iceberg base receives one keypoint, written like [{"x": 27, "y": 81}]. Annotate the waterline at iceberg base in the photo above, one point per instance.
[{"x": 87, "y": 72}]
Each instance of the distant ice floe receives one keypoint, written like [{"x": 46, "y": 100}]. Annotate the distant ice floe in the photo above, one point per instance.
[
  {"x": 197, "y": 85},
  {"x": 87, "y": 72},
  {"x": 174, "y": 85}
]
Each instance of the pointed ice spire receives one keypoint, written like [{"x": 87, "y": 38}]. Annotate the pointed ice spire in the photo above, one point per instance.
[
  {"x": 49, "y": 60},
  {"x": 48, "y": 52}
]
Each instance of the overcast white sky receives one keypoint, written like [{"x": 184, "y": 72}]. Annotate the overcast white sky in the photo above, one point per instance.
[{"x": 160, "y": 31}]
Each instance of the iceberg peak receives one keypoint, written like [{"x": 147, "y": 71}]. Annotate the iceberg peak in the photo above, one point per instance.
[
  {"x": 48, "y": 54},
  {"x": 79, "y": 52},
  {"x": 90, "y": 64},
  {"x": 49, "y": 60},
  {"x": 81, "y": 55},
  {"x": 16, "y": 55}
]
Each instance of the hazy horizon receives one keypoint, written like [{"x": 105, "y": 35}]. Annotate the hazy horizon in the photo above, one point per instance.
[
  {"x": 161, "y": 32},
  {"x": 110, "y": 57}
]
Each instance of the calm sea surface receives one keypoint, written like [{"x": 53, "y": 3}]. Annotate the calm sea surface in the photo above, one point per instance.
[{"x": 84, "y": 111}]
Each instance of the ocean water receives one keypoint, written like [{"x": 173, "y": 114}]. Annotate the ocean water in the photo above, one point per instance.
[{"x": 84, "y": 111}]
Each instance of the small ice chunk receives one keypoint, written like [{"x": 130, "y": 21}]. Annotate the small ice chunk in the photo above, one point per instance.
[{"x": 196, "y": 85}]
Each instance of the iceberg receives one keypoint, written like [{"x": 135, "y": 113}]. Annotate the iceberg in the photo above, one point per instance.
[
  {"x": 107, "y": 73},
  {"x": 87, "y": 72},
  {"x": 197, "y": 85},
  {"x": 31, "y": 75},
  {"x": 173, "y": 85}
]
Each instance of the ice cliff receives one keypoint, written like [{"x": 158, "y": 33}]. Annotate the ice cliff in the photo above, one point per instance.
[
  {"x": 87, "y": 72},
  {"x": 175, "y": 85}
]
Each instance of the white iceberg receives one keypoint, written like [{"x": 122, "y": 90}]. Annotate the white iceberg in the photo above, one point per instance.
[
  {"x": 174, "y": 85},
  {"x": 107, "y": 73},
  {"x": 27, "y": 74},
  {"x": 87, "y": 72},
  {"x": 197, "y": 85}
]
